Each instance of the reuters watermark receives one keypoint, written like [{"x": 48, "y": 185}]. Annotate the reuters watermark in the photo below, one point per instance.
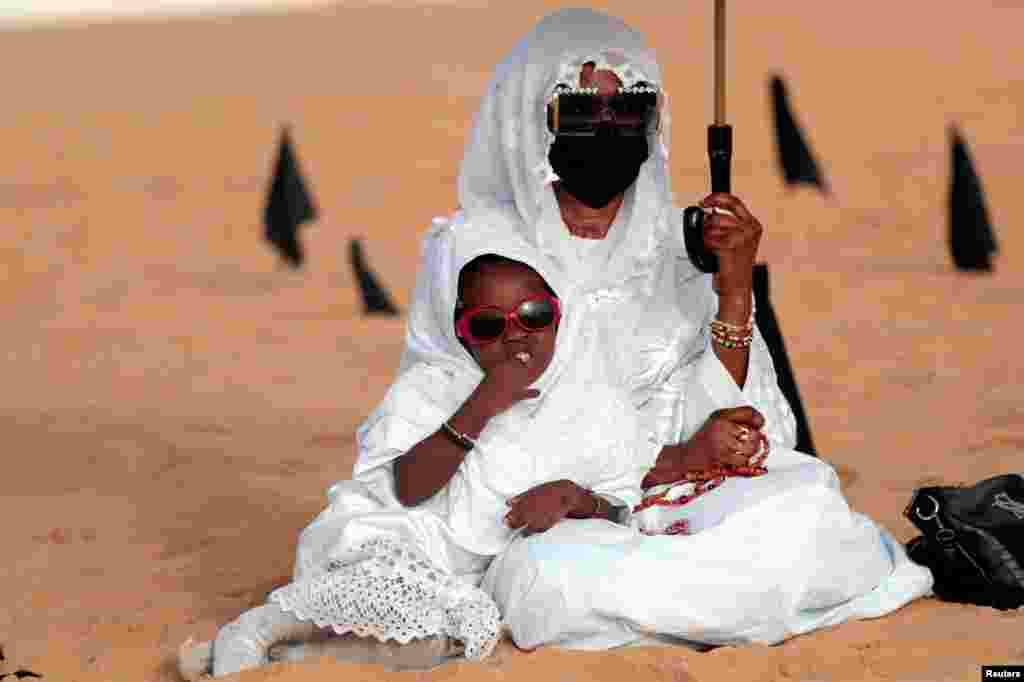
[{"x": 1002, "y": 672}]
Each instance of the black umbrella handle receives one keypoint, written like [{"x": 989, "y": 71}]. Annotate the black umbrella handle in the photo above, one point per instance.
[
  {"x": 720, "y": 157},
  {"x": 720, "y": 160}
]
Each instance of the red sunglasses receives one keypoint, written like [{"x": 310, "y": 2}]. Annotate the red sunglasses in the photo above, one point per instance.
[{"x": 484, "y": 324}]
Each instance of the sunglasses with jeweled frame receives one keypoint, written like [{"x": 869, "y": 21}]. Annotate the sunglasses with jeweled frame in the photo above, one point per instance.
[{"x": 585, "y": 112}]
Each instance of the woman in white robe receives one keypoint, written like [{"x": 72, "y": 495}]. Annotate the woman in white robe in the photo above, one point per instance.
[{"x": 767, "y": 557}]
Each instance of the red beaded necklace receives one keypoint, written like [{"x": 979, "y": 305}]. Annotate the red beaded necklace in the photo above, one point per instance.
[{"x": 704, "y": 481}]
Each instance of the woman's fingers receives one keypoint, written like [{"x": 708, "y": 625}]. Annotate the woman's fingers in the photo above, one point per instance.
[
  {"x": 735, "y": 458},
  {"x": 744, "y": 415},
  {"x": 724, "y": 238},
  {"x": 731, "y": 226},
  {"x": 747, "y": 439},
  {"x": 729, "y": 203},
  {"x": 722, "y": 221},
  {"x": 747, "y": 447}
]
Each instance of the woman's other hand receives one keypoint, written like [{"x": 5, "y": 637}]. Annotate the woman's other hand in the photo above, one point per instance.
[
  {"x": 734, "y": 237},
  {"x": 729, "y": 438},
  {"x": 541, "y": 507}
]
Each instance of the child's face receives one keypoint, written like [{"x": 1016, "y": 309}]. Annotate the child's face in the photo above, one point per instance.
[{"x": 505, "y": 286}]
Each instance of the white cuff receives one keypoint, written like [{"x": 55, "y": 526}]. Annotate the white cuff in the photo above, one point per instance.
[{"x": 716, "y": 380}]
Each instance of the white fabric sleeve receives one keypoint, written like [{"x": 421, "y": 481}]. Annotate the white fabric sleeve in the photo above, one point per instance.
[
  {"x": 624, "y": 490},
  {"x": 412, "y": 409},
  {"x": 705, "y": 385},
  {"x": 664, "y": 336}
]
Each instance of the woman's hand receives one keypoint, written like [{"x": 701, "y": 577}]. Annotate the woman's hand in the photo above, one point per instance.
[
  {"x": 734, "y": 238},
  {"x": 728, "y": 438},
  {"x": 541, "y": 507}
]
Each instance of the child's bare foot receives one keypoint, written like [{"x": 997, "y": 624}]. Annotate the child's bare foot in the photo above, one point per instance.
[{"x": 195, "y": 660}]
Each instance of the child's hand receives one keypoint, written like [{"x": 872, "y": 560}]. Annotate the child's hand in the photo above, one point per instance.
[
  {"x": 541, "y": 507},
  {"x": 504, "y": 385}
]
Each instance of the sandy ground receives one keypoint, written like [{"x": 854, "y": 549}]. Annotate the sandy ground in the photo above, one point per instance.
[{"x": 174, "y": 405}]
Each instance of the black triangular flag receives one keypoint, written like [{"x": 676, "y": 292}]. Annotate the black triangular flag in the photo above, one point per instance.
[
  {"x": 288, "y": 204},
  {"x": 971, "y": 240},
  {"x": 764, "y": 316},
  {"x": 795, "y": 158},
  {"x": 375, "y": 300}
]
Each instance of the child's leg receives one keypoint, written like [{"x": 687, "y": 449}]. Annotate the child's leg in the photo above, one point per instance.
[
  {"x": 418, "y": 654},
  {"x": 195, "y": 660},
  {"x": 245, "y": 642}
]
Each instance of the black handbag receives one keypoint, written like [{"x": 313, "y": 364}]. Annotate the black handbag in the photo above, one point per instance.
[{"x": 972, "y": 540}]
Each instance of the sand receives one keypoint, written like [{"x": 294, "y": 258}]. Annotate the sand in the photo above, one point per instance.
[{"x": 174, "y": 405}]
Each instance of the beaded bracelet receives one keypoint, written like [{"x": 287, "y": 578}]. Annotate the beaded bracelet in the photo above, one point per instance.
[
  {"x": 731, "y": 335},
  {"x": 730, "y": 341},
  {"x": 725, "y": 343},
  {"x": 747, "y": 328}
]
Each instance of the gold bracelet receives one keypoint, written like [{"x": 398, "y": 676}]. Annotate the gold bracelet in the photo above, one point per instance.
[
  {"x": 460, "y": 439},
  {"x": 731, "y": 341},
  {"x": 725, "y": 326},
  {"x": 730, "y": 335}
]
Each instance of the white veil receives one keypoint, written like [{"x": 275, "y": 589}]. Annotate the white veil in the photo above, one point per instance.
[{"x": 505, "y": 168}]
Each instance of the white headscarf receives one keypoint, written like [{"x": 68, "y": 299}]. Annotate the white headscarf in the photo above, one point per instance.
[
  {"x": 505, "y": 189},
  {"x": 430, "y": 335},
  {"x": 505, "y": 168}
]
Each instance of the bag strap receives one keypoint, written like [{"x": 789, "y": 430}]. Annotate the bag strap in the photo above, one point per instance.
[{"x": 941, "y": 536}]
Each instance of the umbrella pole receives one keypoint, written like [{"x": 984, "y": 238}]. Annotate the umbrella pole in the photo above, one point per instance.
[
  {"x": 719, "y": 62},
  {"x": 719, "y": 155},
  {"x": 720, "y": 132}
]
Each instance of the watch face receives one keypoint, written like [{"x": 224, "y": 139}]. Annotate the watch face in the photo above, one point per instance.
[{"x": 616, "y": 513}]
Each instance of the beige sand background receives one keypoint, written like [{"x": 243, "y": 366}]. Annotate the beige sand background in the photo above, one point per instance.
[{"x": 173, "y": 405}]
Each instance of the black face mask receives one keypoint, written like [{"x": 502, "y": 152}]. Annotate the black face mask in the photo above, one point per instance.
[{"x": 595, "y": 169}]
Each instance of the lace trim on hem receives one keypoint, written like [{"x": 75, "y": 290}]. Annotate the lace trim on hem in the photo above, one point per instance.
[{"x": 389, "y": 591}]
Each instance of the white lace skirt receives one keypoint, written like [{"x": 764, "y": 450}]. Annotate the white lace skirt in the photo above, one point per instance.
[{"x": 388, "y": 590}]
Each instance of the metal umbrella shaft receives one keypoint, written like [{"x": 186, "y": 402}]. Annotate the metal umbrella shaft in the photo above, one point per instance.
[{"x": 720, "y": 132}]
